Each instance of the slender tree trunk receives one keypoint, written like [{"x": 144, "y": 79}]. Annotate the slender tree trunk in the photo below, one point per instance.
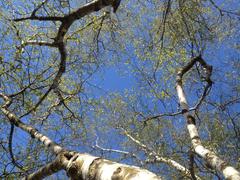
[{"x": 211, "y": 158}]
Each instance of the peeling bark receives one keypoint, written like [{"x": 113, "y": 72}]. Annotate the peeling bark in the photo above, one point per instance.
[{"x": 94, "y": 168}]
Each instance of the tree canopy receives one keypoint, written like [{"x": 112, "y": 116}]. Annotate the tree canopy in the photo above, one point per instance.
[{"x": 111, "y": 89}]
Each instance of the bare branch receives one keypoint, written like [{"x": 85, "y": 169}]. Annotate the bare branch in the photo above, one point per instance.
[
  {"x": 222, "y": 11},
  {"x": 40, "y": 18},
  {"x": 11, "y": 151}
]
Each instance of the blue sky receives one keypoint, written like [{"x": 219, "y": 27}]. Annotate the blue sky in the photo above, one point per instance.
[{"x": 118, "y": 78}]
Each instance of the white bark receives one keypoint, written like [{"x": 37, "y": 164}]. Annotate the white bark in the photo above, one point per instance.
[
  {"x": 89, "y": 167},
  {"x": 212, "y": 159}
]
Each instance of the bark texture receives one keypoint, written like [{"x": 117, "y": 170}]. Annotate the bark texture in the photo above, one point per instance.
[
  {"x": 88, "y": 167},
  {"x": 94, "y": 168}
]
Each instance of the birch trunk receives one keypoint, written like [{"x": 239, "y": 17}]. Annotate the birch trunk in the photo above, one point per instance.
[
  {"x": 88, "y": 167},
  {"x": 211, "y": 158}
]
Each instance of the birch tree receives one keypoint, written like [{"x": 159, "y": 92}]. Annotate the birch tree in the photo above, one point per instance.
[{"x": 58, "y": 121}]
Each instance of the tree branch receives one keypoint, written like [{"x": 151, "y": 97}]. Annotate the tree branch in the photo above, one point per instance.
[
  {"x": 27, "y": 128},
  {"x": 47, "y": 170},
  {"x": 161, "y": 159},
  {"x": 67, "y": 21},
  {"x": 212, "y": 159}
]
